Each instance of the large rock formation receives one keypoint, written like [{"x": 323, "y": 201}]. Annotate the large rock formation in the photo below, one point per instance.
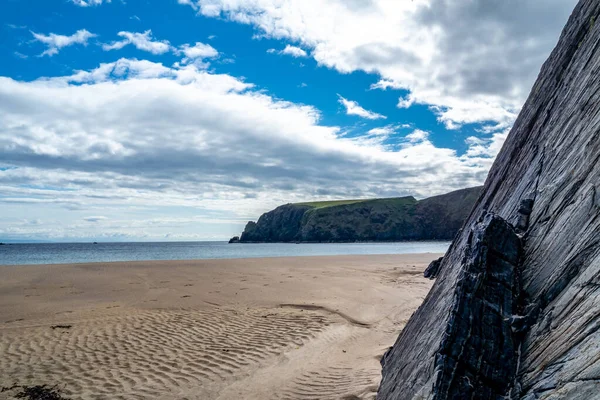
[
  {"x": 488, "y": 329},
  {"x": 404, "y": 218}
]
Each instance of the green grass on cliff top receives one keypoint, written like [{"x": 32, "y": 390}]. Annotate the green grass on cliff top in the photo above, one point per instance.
[
  {"x": 332, "y": 203},
  {"x": 321, "y": 204}
]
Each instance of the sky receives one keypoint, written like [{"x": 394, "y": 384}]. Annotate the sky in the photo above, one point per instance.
[{"x": 136, "y": 120}]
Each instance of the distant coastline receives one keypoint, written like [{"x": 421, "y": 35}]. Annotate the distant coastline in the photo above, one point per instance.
[{"x": 400, "y": 219}]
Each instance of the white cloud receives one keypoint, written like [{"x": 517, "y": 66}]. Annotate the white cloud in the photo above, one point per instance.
[
  {"x": 56, "y": 42},
  {"x": 197, "y": 51},
  {"x": 406, "y": 102},
  {"x": 294, "y": 51},
  {"x": 289, "y": 50},
  {"x": 353, "y": 108},
  {"x": 479, "y": 69},
  {"x": 383, "y": 131},
  {"x": 190, "y": 3},
  {"x": 485, "y": 147},
  {"x": 384, "y": 84},
  {"x": 417, "y": 136},
  {"x": 142, "y": 41},
  {"x": 87, "y": 3},
  {"x": 378, "y": 137},
  {"x": 130, "y": 135}
]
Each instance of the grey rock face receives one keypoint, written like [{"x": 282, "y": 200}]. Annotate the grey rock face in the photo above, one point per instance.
[
  {"x": 546, "y": 183},
  {"x": 433, "y": 269},
  {"x": 235, "y": 239},
  {"x": 477, "y": 354},
  {"x": 280, "y": 225}
]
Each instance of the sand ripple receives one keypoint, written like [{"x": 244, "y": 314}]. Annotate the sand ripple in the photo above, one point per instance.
[
  {"x": 331, "y": 384},
  {"x": 289, "y": 329},
  {"x": 153, "y": 353}
]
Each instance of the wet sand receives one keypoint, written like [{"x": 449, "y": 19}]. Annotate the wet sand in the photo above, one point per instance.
[{"x": 271, "y": 328}]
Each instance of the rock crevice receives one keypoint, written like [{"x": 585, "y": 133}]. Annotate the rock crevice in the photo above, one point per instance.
[{"x": 477, "y": 356}]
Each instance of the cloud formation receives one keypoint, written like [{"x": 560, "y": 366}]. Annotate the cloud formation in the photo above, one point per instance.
[
  {"x": 142, "y": 41},
  {"x": 192, "y": 54},
  {"x": 56, "y": 42},
  {"x": 294, "y": 51},
  {"x": 353, "y": 108},
  {"x": 290, "y": 50},
  {"x": 471, "y": 62},
  {"x": 197, "y": 53},
  {"x": 199, "y": 50},
  {"x": 140, "y": 133},
  {"x": 87, "y": 3}
]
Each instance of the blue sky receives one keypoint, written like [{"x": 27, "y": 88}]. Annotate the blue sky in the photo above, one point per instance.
[{"x": 181, "y": 120}]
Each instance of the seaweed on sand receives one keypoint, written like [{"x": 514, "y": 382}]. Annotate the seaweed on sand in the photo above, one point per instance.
[{"x": 37, "y": 392}]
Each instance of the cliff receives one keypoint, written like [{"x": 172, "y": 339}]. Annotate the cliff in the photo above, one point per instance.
[
  {"x": 515, "y": 310},
  {"x": 395, "y": 219}
]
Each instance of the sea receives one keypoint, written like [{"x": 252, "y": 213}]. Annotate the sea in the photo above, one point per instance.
[{"x": 66, "y": 253}]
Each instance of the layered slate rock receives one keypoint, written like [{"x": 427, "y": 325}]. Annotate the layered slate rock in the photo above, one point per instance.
[
  {"x": 433, "y": 268},
  {"x": 546, "y": 183},
  {"x": 477, "y": 356}
]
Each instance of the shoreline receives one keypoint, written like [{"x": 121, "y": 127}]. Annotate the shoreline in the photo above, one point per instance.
[
  {"x": 351, "y": 242},
  {"x": 208, "y": 329},
  {"x": 224, "y": 260},
  {"x": 226, "y": 241}
]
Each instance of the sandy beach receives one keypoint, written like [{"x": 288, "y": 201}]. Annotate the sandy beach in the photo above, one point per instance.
[{"x": 272, "y": 328}]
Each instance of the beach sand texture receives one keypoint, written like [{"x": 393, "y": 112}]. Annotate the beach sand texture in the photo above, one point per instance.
[{"x": 275, "y": 328}]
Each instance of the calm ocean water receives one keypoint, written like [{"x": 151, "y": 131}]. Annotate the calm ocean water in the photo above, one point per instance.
[{"x": 55, "y": 253}]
